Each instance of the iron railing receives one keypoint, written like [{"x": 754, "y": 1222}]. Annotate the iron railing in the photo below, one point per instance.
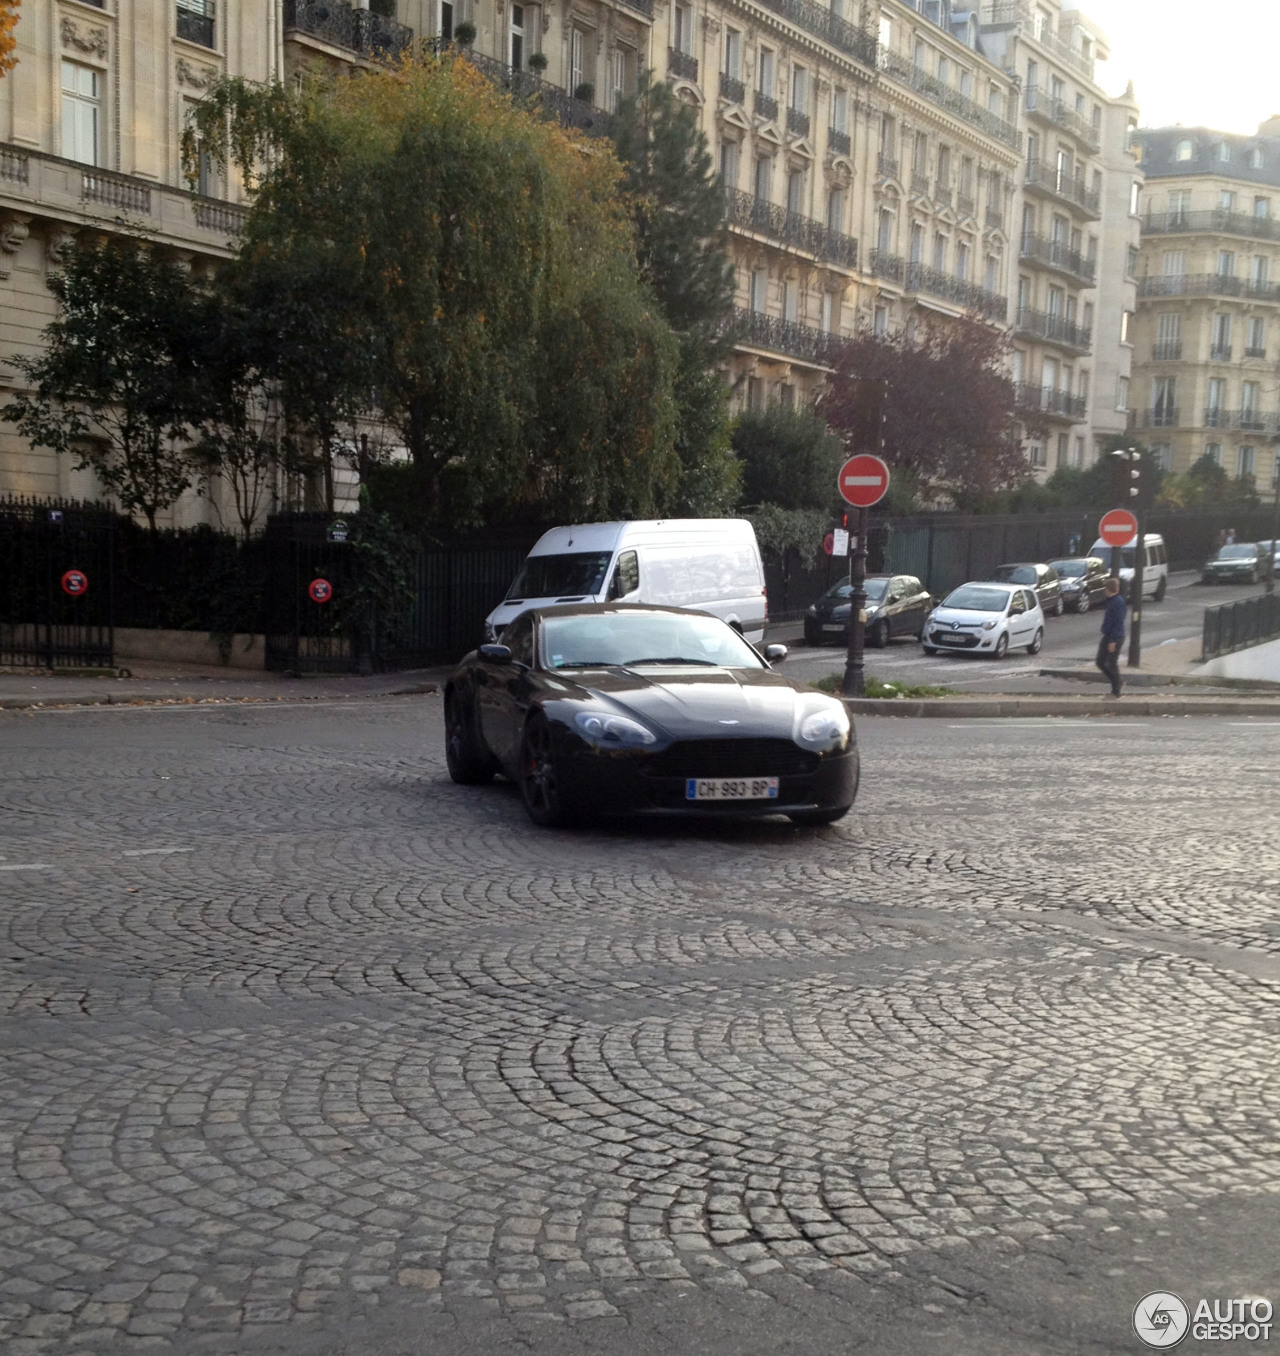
[
  {"x": 357, "y": 30},
  {"x": 1028, "y": 396},
  {"x": 1166, "y": 350},
  {"x": 994, "y": 219},
  {"x": 1070, "y": 187},
  {"x": 886, "y": 166},
  {"x": 766, "y": 106},
  {"x": 1207, "y": 285},
  {"x": 822, "y": 23},
  {"x": 644, "y": 7},
  {"x": 791, "y": 228},
  {"x": 1226, "y": 223},
  {"x": 891, "y": 267},
  {"x": 797, "y": 122},
  {"x": 1253, "y": 351},
  {"x": 1063, "y": 116},
  {"x": 838, "y": 141},
  {"x": 539, "y": 95},
  {"x": 1019, "y": 13},
  {"x": 784, "y": 336},
  {"x": 920, "y": 184},
  {"x": 1166, "y": 416},
  {"x": 947, "y": 287},
  {"x": 943, "y": 96},
  {"x": 964, "y": 204},
  {"x": 1056, "y": 255},
  {"x": 682, "y": 64},
  {"x": 1220, "y": 353},
  {"x": 1236, "y": 626},
  {"x": 1054, "y": 329},
  {"x": 732, "y": 89},
  {"x": 1247, "y": 421},
  {"x": 942, "y": 195}
]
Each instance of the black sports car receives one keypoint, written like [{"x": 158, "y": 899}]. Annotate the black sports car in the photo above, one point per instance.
[{"x": 616, "y": 708}]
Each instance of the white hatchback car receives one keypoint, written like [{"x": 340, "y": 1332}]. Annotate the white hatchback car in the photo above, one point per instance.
[{"x": 986, "y": 619}]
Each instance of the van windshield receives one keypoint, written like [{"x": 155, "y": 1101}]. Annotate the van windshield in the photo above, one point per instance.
[{"x": 574, "y": 575}]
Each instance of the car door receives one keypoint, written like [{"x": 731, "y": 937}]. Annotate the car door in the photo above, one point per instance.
[
  {"x": 1097, "y": 581},
  {"x": 1016, "y": 625},
  {"x": 1033, "y": 617},
  {"x": 914, "y": 610},
  {"x": 893, "y": 598},
  {"x": 503, "y": 690}
]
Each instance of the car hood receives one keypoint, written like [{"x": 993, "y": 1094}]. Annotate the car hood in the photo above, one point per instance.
[
  {"x": 702, "y": 703},
  {"x": 1243, "y": 564},
  {"x": 944, "y": 616}
]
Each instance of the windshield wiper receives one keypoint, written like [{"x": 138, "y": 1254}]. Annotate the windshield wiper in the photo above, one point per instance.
[
  {"x": 671, "y": 659},
  {"x": 588, "y": 664}
]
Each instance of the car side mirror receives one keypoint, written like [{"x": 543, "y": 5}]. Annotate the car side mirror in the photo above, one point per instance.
[
  {"x": 496, "y": 654},
  {"x": 774, "y": 654}
]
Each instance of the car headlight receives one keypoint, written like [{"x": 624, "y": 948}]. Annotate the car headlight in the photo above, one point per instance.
[
  {"x": 990, "y": 626},
  {"x": 813, "y": 611},
  {"x": 613, "y": 732},
  {"x": 825, "y": 730}
]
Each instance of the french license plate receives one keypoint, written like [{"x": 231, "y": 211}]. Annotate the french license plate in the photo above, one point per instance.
[
  {"x": 731, "y": 788},
  {"x": 945, "y": 639}
]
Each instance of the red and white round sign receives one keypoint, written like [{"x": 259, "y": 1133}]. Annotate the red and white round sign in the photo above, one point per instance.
[
  {"x": 320, "y": 590},
  {"x": 863, "y": 480},
  {"x": 1118, "y": 528},
  {"x": 76, "y": 583}
]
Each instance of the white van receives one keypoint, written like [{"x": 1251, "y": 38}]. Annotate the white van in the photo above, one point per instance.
[
  {"x": 1155, "y": 565},
  {"x": 707, "y": 564}
]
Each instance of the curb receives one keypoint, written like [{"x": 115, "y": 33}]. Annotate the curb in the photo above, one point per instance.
[
  {"x": 949, "y": 708},
  {"x": 62, "y": 703},
  {"x": 1083, "y": 675}
]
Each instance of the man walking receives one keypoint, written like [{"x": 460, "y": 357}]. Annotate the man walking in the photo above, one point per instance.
[{"x": 1112, "y": 637}]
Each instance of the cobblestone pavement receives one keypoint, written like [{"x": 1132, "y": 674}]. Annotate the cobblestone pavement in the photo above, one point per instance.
[{"x": 297, "y": 1033}]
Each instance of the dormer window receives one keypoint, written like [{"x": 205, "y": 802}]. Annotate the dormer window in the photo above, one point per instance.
[
  {"x": 1255, "y": 157},
  {"x": 1223, "y": 153},
  {"x": 1182, "y": 151}
]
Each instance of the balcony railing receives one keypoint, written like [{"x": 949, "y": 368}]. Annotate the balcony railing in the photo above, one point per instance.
[
  {"x": 943, "y": 96},
  {"x": 964, "y": 204},
  {"x": 797, "y": 122},
  {"x": 682, "y": 64},
  {"x": 1253, "y": 351},
  {"x": 1166, "y": 350},
  {"x": 1054, "y": 330},
  {"x": 785, "y": 336},
  {"x": 196, "y": 24},
  {"x": 890, "y": 267},
  {"x": 1216, "y": 417},
  {"x": 1048, "y": 401},
  {"x": 355, "y": 30},
  {"x": 223, "y": 217},
  {"x": 1220, "y": 353},
  {"x": 1207, "y": 285},
  {"x": 15, "y": 166},
  {"x": 644, "y": 7},
  {"x": 920, "y": 184},
  {"x": 1225, "y": 223},
  {"x": 790, "y": 228},
  {"x": 1019, "y": 13},
  {"x": 822, "y": 23},
  {"x": 1166, "y": 416},
  {"x": 1250, "y": 421},
  {"x": 1070, "y": 187},
  {"x": 838, "y": 141},
  {"x": 1056, "y": 255},
  {"x": 539, "y": 95},
  {"x": 947, "y": 287},
  {"x": 995, "y": 219},
  {"x": 115, "y": 190},
  {"x": 732, "y": 89},
  {"x": 886, "y": 166},
  {"x": 766, "y": 106},
  {"x": 1061, "y": 115},
  {"x": 942, "y": 194}
]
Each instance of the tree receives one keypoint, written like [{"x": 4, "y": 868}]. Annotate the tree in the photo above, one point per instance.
[
  {"x": 789, "y": 458},
  {"x": 1206, "y": 482},
  {"x": 950, "y": 425},
  {"x": 114, "y": 383},
  {"x": 8, "y": 35}
]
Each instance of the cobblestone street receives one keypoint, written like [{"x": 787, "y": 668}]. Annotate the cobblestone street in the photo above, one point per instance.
[{"x": 307, "y": 1050}]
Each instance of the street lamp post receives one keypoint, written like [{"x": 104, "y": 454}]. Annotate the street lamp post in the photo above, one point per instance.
[
  {"x": 1275, "y": 523},
  {"x": 1130, "y": 486}
]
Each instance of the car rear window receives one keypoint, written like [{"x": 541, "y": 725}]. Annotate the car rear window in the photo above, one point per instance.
[{"x": 1015, "y": 574}]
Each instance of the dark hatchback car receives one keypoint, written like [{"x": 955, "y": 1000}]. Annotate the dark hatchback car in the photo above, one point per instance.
[
  {"x": 1242, "y": 562},
  {"x": 897, "y": 605},
  {"x": 1084, "y": 581},
  {"x": 616, "y": 708},
  {"x": 1043, "y": 578}
]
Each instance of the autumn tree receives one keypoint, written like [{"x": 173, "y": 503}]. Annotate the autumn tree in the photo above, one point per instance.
[
  {"x": 8, "y": 34},
  {"x": 951, "y": 427}
]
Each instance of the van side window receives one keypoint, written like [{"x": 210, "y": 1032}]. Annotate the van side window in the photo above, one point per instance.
[
  {"x": 626, "y": 575},
  {"x": 518, "y": 638}
]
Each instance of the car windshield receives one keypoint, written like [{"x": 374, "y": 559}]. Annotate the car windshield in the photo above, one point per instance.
[
  {"x": 1072, "y": 569},
  {"x": 603, "y": 640},
  {"x": 575, "y": 575},
  {"x": 875, "y": 589},
  {"x": 1241, "y": 552},
  {"x": 1015, "y": 574},
  {"x": 974, "y": 598}
]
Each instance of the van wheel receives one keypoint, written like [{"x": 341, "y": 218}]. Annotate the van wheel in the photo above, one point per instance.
[{"x": 1160, "y": 590}]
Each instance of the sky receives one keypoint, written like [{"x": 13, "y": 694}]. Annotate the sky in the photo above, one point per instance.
[{"x": 1201, "y": 63}]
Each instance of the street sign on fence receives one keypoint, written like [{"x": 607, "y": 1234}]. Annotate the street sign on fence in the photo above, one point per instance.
[
  {"x": 320, "y": 590},
  {"x": 75, "y": 582},
  {"x": 1118, "y": 528},
  {"x": 863, "y": 480}
]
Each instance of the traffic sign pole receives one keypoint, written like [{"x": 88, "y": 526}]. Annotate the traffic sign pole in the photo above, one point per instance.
[{"x": 862, "y": 481}]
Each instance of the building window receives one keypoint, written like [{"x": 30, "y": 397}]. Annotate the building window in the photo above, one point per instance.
[
  {"x": 729, "y": 164},
  {"x": 1217, "y": 399},
  {"x": 835, "y": 210},
  {"x": 1260, "y": 270},
  {"x": 621, "y": 63},
  {"x": 962, "y": 262},
  {"x": 940, "y": 252},
  {"x": 787, "y": 395},
  {"x": 1077, "y": 453},
  {"x": 577, "y": 45},
  {"x": 1164, "y": 402},
  {"x": 765, "y": 83},
  {"x": 1162, "y": 456},
  {"x": 81, "y": 113},
  {"x": 918, "y": 53},
  {"x": 1221, "y": 346},
  {"x": 1122, "y": 393},
  {"x": 884, "y": 231},
  {"x": 1226, "y": 200},
  {"x": 799, "y": 89},
  {"x": 966, "y": 84},
  {"x": 1062, "y": 449},
  {"x": 204, "y": 182},
  {"x": 1245, "y": 459},
  {"x": 1126, "y": 324},
  {"x": 795, "y": 192},
  {"x": 1249, "y": 403},
  {"x": 828, "y": 313},
  {"x": 994, "y": 99},
  {"x": 1213, "y": 451},
  {"x": 764, "y": 171},
  {"x": 1135, "y": 198},
  {"x": 759, "y": 290},
  {"x": 1224, "y": 153},
  {"x": 944, "y": 70},
  {"x": 733, "y": 54},
  {"x": 1256, "y": 159},
  {"x": 755, "y": 393},
  {"x": 1131, "y": 262},
  {"x": 916, "y": 255},
  {"x": 790, "y": 300},
  {"x": 991, "y": 274},
  {"x": 1262, "y": 208},
  {"x": 880, "y": 322},
  {"x": 1226, "y": 264},
  {"x": 1182, "y": 151},
  {"x": 445, "y": 25},
  {"x": 1257, "y": 337},
  {"x": 682, "y": 29},
  {"x": 517, "y": 37},
  {"x": 840, "y": 111},
  {"x": 1037, "y": 454}
]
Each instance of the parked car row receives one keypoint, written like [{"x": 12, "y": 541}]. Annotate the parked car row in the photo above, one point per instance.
[{"x": 1244, "y": 562}]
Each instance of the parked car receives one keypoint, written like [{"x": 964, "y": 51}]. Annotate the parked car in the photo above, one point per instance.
[
  {"x": 1272, "y": 549},
  {"x": 1243, "y": 562},
  {"x": 596, "y": 709},
  {"x": 1084, "y": 581},
  {"x": 1043, "y": 578},
  {"x": 897, "y": 605},
  {"x": 1155, "y": 564},
  {"x": 709, "y": 564},
  {"x": 986, "y": 617}
]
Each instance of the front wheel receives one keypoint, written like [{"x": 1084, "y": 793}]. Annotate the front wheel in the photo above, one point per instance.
[
  {"x": 468, "y": 763},
  {"x": 1085, "y": 602},
  {"x": 816, "y": 818},
  {"x": 1034, "y": 647},
  {"x": 879, "y": 635},
  {"x": 1002, "y": 646},
  {"x": 539, "y": 779},
  {"x": 1160, "y": 589},
  {"x": 929, "y": 649},
  {"x": 1058, "y": 607}
]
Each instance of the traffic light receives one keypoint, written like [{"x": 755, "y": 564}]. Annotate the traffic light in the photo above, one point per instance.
[{"x": 1127, "y": 485}]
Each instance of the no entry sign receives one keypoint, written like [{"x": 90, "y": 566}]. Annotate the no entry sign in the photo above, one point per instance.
[
  {"x": 76, "y": 583},
  {"x": 863, "y": 480},
  {"x": 320, "y": 590},
  {"x": 1118, "y": 528}
]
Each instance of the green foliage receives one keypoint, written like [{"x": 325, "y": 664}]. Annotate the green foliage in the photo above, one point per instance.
[
  {"x": 833, "y": 682},
  {"x": 788, "y": 533},
  {"x": 710, "y": 476},
  {"x": 114, "y": 384},
  {"x": 1205, "y": 482},
  {"x": 789, "y": 458},
  {"x": 379, "y": 590}
]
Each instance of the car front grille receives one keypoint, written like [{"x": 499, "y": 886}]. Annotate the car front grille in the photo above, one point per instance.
[
  {"x": 731, "y": 758},
  {"x": 955, "y": 640}
]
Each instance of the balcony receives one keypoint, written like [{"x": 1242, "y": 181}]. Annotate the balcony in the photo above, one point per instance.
[
  {"x": 116, "y": 191},
  {"x": 797, "y": 122},
  {"x": 539, "y": 96},
  {"x": 790, "y": 228},
  {"x": 943, "y": 96},
  {"x": 838, "y": 141},
  {"x": 1252, "y": 351},
  {"x": 1165, "y": 416},
  {"x": 821, "y": 23},
  {"x": 360, "y": 31},
  {"x": 195, "y": 21},
  {"x": 766, "y": 107},
  {"x": 994, "y": 219},
  {"x": 732, "y": 89},
  {"x": 1068, "y": 187},
  {"x": 942, "y": 195},
  {"x": 1053, "y": 329},
  {"x": 934, "y": 282},
  {"x": 1057, "y": 112},
  {"x": 1044, "y": 400},
  {"x": 1216, "y": 417},
  {"x": 890, "y": 267},
  {"x": 1207, "y": 285},
  {"x": 886, "y": 166},
  {"x": 784, "y": 336},
  {"x": 964, "y": 204},
  {"x": 1251, "y": 421},
  {"x": 682, "y": 64},
  {"x": 644, "y": 7},
  {"x": 1212, "y": 222},
  {"x": 1219, "y": 353},
  {"x": 1054, "y": 254},
  {"x": 920, "y": 184},
  {"x": 1018, "y": 14},
  {"x": 1166, "y": 350}
]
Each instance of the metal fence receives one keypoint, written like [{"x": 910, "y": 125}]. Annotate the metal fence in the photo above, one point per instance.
[{"x": 1236, "y": 626}]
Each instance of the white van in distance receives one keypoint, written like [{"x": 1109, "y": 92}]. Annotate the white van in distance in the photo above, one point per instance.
[
  {"x": 1155, "y": 564},
  {"x": 706, "y": 564}
]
